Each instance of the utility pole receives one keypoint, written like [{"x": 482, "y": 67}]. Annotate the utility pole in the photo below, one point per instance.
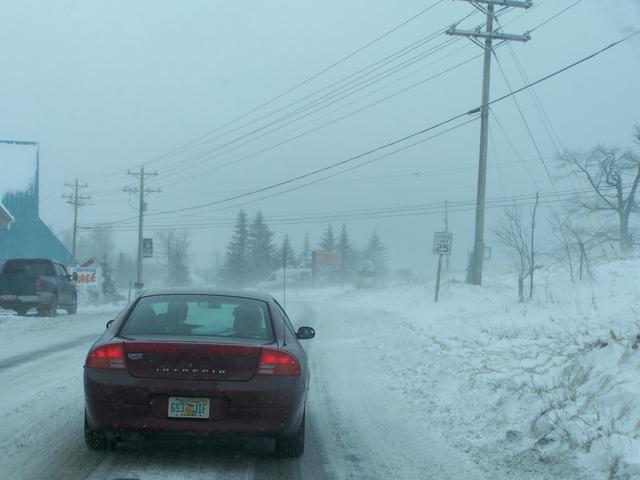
[
  {"x": 76, "y": 200},
  {"x": 140, "y": 191},
  {"x": 489, "y": 35}
]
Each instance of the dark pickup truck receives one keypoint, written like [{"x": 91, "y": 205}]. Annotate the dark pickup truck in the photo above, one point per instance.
[{"x": 39, "y": 283}]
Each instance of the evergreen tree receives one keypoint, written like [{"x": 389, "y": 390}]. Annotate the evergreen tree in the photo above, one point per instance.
[
  {"x": 235, "y": 269},
  {"x": 125, "y": 269},
  {"x": 349, "y": 254},
  {"x": 262, "y": 251},
  {"x": 376, "y": 252},
  {"x": 328, "y": 240},
  {"x": 305, "y": 253},
  {"x": 174, "y": 250},
  {"x": 109, "y": 290},
  {"x": 287, "y": 251}
]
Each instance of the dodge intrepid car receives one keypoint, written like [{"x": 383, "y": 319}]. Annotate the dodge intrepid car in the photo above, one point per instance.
[{"x": 198, "y": 362}]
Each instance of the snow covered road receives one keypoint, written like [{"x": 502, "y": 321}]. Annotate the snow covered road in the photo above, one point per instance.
[
  {"x": 477, "y": 386},
  {"x": 358, "y": 427}
]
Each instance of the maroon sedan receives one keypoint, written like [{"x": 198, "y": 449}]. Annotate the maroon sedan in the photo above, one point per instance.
[{"x": 198, "y": 362}]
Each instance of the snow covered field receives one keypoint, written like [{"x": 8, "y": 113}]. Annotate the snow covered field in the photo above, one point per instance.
[
  {"x": 476, "y": 386},
  {"x": 548, "y": 388}
]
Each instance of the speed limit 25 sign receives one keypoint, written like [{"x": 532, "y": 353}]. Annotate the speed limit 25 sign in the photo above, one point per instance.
[{"x": 442, "y": 242}]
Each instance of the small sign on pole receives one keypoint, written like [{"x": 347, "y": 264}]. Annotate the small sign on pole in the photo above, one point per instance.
[
  {"x": 147, "y": 247},
  {"x": 442, "y": 243}
]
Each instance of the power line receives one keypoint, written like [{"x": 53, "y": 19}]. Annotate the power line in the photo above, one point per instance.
[
  {"x": 397, "y": 141},
  {"x": 326, "y": 124},
  {"x": 299, "y": 114},
  {"x": 375, "y": 213},
  {"x": 291, "y": 89},
  {"x": 556, "y": 15}
]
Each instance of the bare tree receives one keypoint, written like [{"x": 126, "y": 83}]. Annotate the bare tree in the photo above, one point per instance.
[
  {"x": 174, "y": 251},
  {"x": 518, "y": 238},
  {"x": 576, "y": 244},
  {"x": 613, "y": 175},
  {"x": 101, "y": 241}
]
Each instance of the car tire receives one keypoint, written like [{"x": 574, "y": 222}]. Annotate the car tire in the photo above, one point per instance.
[
  {"x": 52, "y": 310},
  {"x": 94, "y": 440},
  {"x": 293, "y": 445},
  {"x": 73, "y": 308},
  {"x": 22, "y": 312}
]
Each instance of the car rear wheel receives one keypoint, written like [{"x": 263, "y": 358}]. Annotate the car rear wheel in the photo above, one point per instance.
[
  {"x": 93, "y": 439},
  {"x": 293, "y": 445},
  {"x": 22, "y": 311},
  {"x": 73, "y": 308}
]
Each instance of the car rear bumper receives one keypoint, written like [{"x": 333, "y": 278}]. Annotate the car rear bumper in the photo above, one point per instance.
[
  {"x": 116, "y": 401},
  {"x": 121, "y": 417},
  {"x": 10, "y": 301}
]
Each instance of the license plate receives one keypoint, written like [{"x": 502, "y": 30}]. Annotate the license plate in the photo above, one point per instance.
[
  {"x": 188, "y": 407},
  {"x": 8, "y": 297}
]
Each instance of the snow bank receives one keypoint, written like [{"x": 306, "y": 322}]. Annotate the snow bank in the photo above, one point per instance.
[
  {"x": 551, "y": 381},
  {"x": 18, "y": 166}
]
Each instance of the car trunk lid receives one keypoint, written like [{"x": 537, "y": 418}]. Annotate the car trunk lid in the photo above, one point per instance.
[{"x": 191, "y": 360}]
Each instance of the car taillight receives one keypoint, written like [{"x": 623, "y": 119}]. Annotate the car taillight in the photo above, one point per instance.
[
  {"x": 107, "y": 356},
  {"x": 277, "y": 362},
  {"x": 38, "y": 284}
]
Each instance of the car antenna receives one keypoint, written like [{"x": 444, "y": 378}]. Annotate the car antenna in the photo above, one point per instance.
[{"x": 284, "y": 291}]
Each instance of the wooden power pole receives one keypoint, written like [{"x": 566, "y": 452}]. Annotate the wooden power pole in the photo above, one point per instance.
[
  {"x": 140, "y": 191},
  {"x": 476, "y": 36}
]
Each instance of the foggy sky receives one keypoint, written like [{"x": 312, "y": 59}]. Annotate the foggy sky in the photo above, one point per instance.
[{"x": 104, "y": 86}]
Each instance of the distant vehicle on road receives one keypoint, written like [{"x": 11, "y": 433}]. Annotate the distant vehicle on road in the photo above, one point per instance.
[
  {"x": 198, "y": 362},
  {"x": 39, "y": 283},
  {"x": 367, "y": 276},
  {"x": 293, "y": 277}
]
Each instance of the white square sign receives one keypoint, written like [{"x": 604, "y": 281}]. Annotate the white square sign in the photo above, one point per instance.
[{"x": 442, "y": 243}]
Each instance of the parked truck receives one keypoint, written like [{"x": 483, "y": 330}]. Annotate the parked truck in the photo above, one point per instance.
[{"x": 38, "y": 283}]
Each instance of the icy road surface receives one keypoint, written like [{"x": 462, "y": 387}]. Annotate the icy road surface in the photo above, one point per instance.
[
  {"x": 356, "y": 427},
  {"x": 394, "y": 395}
]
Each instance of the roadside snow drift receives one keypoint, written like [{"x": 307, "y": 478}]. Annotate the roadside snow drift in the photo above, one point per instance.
[{"x": 538, "y": 387}]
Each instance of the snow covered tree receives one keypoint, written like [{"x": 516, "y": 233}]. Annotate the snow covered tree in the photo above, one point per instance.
[
  {"x": 349, "y": 253},
  {"x": 328, "y": 240},
  {"x": 101, "y": 241},
  {"x": 575, "y": 244},
  {"x": 262, "y": 251},
  {"x": 109, "y": 290},
  {"x": 235, "y": 269},
  {"x": 305, "y": 253},
  {"x": 520, "y": 240},
  {"x": 376, "y": 253},
  {"x": 125, "y": 269},
  {"x": 286, "y": 250},
  {"x": 174, "y": 251},
  {"x": 613, "y": 176}
]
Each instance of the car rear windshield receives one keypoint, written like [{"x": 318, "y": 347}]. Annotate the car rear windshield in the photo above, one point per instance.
[
  {"x": 200, "y": 315},
  {"x": 32, "y": 267}
]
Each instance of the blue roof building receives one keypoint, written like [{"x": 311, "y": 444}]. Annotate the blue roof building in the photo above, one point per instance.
[{"x": 29, "y": 236}]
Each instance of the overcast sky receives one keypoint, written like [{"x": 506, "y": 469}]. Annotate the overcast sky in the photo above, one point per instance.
[{"x": 105, "y": 86}]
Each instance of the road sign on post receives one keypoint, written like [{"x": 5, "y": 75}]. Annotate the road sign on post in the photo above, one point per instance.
[
  {"x": 442, "y": 243},
  {"x": 147, "y": 248}
]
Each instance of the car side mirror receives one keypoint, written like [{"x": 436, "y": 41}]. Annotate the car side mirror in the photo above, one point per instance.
[
  {"x": 74, "y": 276},
  {"x": 109, "y": 323},
  {"x": 305, "y": 333}
]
